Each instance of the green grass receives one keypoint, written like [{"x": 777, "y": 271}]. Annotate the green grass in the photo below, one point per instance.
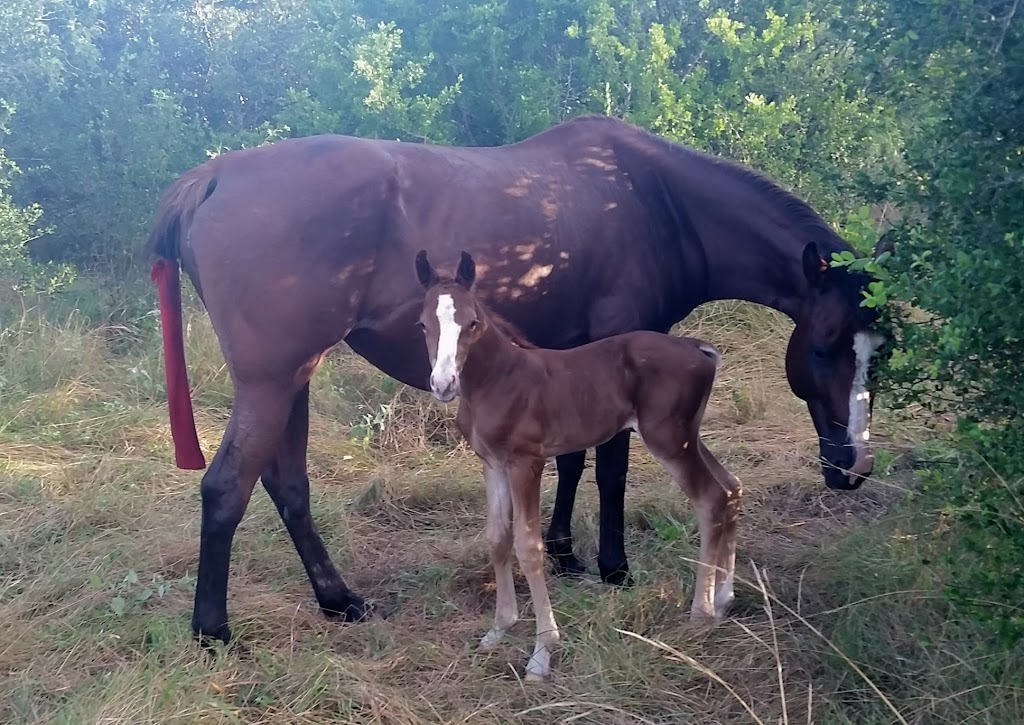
[{"x": 99, "y": 536}]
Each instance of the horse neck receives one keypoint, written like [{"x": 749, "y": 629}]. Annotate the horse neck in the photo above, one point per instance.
[
  {"x": 751, "y": 234},
  {"x": 492, "y": 357}
]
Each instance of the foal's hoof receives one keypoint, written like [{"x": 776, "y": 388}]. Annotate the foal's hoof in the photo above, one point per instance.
[
  {"x": 352, "y": 609},
  {"x": 490, "y": 641},
  {"x": 700, "y": 617},
  {"x": 722, "y": 608},
  {"x": 532, "y": 676}
]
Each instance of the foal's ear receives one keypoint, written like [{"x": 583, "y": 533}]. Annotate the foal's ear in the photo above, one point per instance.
[
  {"x": 814, "y": 264},
  {"x": 467, "y": 271},
  {"x": 424, "y": 270}
]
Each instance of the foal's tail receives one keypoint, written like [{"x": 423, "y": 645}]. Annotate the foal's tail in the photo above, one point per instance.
[{"x": 173, "y": 215}]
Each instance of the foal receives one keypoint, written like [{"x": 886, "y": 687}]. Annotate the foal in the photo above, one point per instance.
[{"x": 520, "y": 405}]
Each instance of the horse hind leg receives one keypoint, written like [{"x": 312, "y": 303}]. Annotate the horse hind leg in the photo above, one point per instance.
[
  {"x": 725, "y": 572},
  {"x": 286, "y": 480},
  {"x": 678, "y": 450},
  {"x": 257, "y": 421}
]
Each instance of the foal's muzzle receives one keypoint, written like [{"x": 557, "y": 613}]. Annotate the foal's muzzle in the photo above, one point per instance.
[{"x": 444, "y": 390}]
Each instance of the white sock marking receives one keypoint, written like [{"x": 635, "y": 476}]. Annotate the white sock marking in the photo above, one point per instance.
[{"x": 724, "y": 597}]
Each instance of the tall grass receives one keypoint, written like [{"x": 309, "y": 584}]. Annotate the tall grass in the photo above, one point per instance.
[{"x": 838, "y": 620}]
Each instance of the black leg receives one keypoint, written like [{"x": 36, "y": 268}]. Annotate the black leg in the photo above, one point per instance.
[
  {"x": 559, "y": 537},
  {"x": 255, "y": 427},
  {"x": 287, "y": 482},
  {"x": 610, "y": 469}
]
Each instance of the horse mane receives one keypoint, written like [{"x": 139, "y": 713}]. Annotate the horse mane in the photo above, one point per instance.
[
  {"x": 795, "y": 208},
  {"x": 509, "y": 330}
]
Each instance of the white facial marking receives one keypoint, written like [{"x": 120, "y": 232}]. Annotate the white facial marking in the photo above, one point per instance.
[
  {"x": 444, "y": 378},
  {"x": 864, "y": 346}
]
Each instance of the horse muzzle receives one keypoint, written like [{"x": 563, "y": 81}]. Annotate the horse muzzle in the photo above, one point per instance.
[{"x": 847, "y": 475}]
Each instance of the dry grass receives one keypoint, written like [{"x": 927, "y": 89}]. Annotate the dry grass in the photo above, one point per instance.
[{"x": 838, "y": 621}]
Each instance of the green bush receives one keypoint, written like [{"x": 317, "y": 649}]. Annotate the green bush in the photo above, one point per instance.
[
  {"x": 959, "y": 263},
  {"x": 19, "y": 225}
]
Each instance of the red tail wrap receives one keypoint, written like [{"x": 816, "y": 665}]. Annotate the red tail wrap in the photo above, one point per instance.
[{"x": 187, "y": 453}]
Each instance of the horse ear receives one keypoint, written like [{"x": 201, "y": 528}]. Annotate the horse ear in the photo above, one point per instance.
[
  {"x": 885, "y": 243},
  {"x": 814, "y": 264},
  {"x": 424, "y": 270},
  {"x": 467, "y": 271}
]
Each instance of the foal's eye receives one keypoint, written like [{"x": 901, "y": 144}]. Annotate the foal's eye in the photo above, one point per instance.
[
  {"x": 421, "y": 325},
  {"x": 473, "y": 324}
]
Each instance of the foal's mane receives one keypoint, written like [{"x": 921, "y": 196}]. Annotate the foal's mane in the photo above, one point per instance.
[{"x": 509, "y": 330}]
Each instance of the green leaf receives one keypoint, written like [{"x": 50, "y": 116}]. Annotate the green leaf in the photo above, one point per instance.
[{"x": 117, "y": 605}]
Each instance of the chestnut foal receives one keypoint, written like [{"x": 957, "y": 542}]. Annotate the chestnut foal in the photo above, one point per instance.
[{"x": 521, "y": 405}]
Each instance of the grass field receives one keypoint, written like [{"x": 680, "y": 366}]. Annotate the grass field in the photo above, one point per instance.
[{"x": 838, "y": 618}]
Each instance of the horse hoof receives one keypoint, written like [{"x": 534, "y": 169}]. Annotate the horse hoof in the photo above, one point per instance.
[
  {"x": 532, "y": 676},
  {"x": 208, "y": 637},
  {"x": 619, "y": 577},
  {"x": 565, "y": 562},
  {"x": 355, "y": 609}
]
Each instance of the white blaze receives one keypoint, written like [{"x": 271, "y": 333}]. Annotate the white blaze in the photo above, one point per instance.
[
  {"x": 864, "y": 346},
  {"x": 444, "y": 378}
]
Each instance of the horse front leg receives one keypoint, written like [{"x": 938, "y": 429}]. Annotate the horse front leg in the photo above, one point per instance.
[
  {"x": 499, "y": 539},
  {"x": 611, "y": 468},
  {"x": 524, "y": 479},
  {"x": 559, "y": 535},
  {"x": 287, "y": 481}
]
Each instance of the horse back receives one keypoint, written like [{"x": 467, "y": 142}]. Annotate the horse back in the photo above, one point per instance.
[{"x": 670, "y": 370}]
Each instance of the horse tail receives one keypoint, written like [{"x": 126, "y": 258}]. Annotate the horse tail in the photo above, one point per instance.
[{"x": 174, "y": 214}]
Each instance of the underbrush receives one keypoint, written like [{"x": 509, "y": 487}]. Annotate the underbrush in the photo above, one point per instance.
[{"x": 840, "y": 615}]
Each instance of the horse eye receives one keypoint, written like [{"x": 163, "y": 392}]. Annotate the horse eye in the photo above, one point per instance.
[
  {"x": 473, "y": 324},
  {"x": 420, "y": 324}
]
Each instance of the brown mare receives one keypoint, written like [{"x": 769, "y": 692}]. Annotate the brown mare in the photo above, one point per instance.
[
  {"x": 520, "y": 405},
  {"x": 589, "y": 229}
]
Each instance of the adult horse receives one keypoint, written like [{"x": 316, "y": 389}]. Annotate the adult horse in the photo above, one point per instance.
[{"x": 591, "y": 228}]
